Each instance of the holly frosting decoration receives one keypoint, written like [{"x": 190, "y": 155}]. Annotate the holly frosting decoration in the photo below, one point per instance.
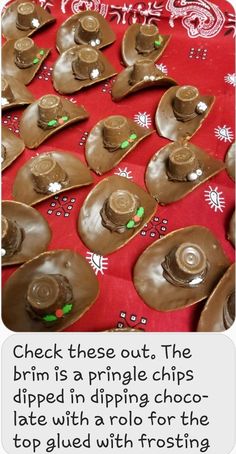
[
  {"x": 127, "y": 142},
  {"x": 58, "y": 122},
  {"x": 58, "y": 314},
  {"x": 38, "y": 57},
  {"x": 136, "y": 218},
  {"x": 158, "y": 42}
]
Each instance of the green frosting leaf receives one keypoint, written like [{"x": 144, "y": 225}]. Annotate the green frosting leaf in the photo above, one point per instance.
[
  {"x": 52, "y": 123},
  {"x": 41, "y": 52},
  {"x": 67, "y": 308},
  {"x": 130, "y": 224},
  {"x": 140, "y": 212},
  {"x": 124, "y": 144},
  {"x": 50, "y": 318},
  {"x": 36, "y": 60},
  {"x": 133, "y": 136},
  {"x": 65, "y": 118}
]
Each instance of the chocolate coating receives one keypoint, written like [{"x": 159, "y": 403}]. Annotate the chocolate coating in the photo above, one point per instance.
[
  {"x": 14, "y": 93},
  {"x": 30, "y": 234},
  {"x": 23, "y": 19},
  {"x": 218, "y": 313},
  {"x": 66, "y": 263},
  {"x": 118, "y": 209},
  {"x": 78, "y": 29},
  {"x": 45, "y": 170},
  {"x": 139, "y": 41},
  {"x": 12, "y": 147},
  {"x": 171, "y": 126},
  {"x": 167, "y": 179},
  {"x": 24, "y": 51},
  {"x": 87, "y": 60},
  {"x": 159, "y": 293},
  {"x": 231, "y": 230},
  {"x": 185, "y": 101},
  {"x": 230, "y": 161},
  {"x": 50, "y": 107}
]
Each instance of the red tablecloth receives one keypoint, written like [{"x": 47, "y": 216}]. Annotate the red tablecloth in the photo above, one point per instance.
[{"x": 200, "y": 53}]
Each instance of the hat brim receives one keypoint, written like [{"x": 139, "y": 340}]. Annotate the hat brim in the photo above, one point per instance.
[
  {"x": 14, "y": 147},
  {"x": 22, "y": 95},
  {"x": 67, "y": 263},
  {"x": 160, "y": 294},
  {"x": 167, "y": 124},
  {"x": 33, "y": 135},
  {"x": 167, "y": 191},
  {"x": 230, "y": 161},
  {"x": 37, "y": 233},
  {"x": 98, "y": 238},
  {"x": 99, "y": 158},
  {"x": 65, "y": 34},
  {"x": 128, "y": 51},
  {"x": 26, "y": 75},
  {"x": 77, "y": 172},
  {"x": 231, "y": 234},
  {"x": 64, "y": 80},
  {"x": 212, "y": 316},
  {"x": 122, "y": 88},
  {"x": 9, "y": 28}
]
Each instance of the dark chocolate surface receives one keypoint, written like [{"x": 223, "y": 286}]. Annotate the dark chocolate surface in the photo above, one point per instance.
[
  {"x": 231, "y": 230},
  {"x": 230, "y": 161},
  {"x": 22, "y": 96},
  {"x": 14, "y": 147}
]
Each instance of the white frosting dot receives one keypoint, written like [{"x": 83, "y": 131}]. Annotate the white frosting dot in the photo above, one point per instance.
[
  {"x": 54, "y": 187},
  {"x": 192, "y": 176},
  {"x": 3, "y": 252}
]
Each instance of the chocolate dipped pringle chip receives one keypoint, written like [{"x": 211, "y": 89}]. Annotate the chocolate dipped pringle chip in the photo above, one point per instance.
[
  {"x": 180, "y": 269},
  {"x": 86, "y": 27},
  {"x": 22, "y": 59},
  {"x": 181, "y": 111},
  {"x": 111, "y": 140},
  {"x": 46, "y": 116},
  {"x": 142, "y": 74},
  {"x": 12, "y": 147},
  {"x": 230, "y": 161},
  {"x": 49, "y": 293},
  {"x": 80, "y": 67},
  {"x": 177, "y": 169},
  {"x": 14, "y": 93},
  {"x": 142, "y": 41},
  {"x": 231, "y": 230},
  {"x": 218, "y": 313},
  {"x": 25, "y": 233},
  {"x": 22, "y": 19},
  {"x": 49, "y": 174},
  {"x": 113, "y": 213}
]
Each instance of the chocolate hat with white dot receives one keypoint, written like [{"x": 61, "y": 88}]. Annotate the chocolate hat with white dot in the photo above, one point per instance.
[
  {"x": 230, "y": 161},
  {"x": 49, "y": 292},
  {"x": 110, "y": 140},
  {"x": 218, "y": 313},
  {"x": 22, "y": 59},
  {"x": 80, "y": 67},
  {"x": 177, "y": 169},
  {"x": 114, "y": 212},
  {"x": 180, "y": 269},
  {"x": 142, "y": 74},
  {"x": 25, "y": 233},
  {"x": 23, "y": 18},
  {"x": 142, "y": 41},
  {"x": 14, "y": 93},
  {"x": 12, "y": 147},
  {"x": 46, "y": 116},
  {"x": 181, "y": 112},
  {"x": 49, "y": 174},
  {"x": 86, "y": 27}
]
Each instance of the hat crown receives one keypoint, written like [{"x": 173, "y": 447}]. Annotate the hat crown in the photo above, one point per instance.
[
  {"x": 146, "y": 37},
  {"x": 49, "y": 108},
  {"x": 26, "y": 13},
  {"x": 47, "y": 293},
  {"x": 87, "y": 61},
  {"x": 181, "y": 162},
  {"x": 45, "y": 170},
  {"x": 25, "y": 51},
  {"x": 185, "y": 102},
  {"x": 185, "y": 265},
  {"x": 12, "y": 236},
  {"x": 115, "y": 130},
  {"x": 87, "y": 30},
  {"x": 141, "y": 69},
  {"x": 121, "y": 206}
]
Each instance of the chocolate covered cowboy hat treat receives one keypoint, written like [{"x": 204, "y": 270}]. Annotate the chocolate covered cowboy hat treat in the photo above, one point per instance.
[
  {"x": 230, "y": 161},
  {"x": 49, "y": 293},
  {"x": 22, "y": 59},
  {"x": 113, "y": 213},
  {"x": 181, "y": 111},
  {"x": 142, "y": 41},
  {"x": 11, "y": 146},
  {"x": 80, "y": 67},
  {"x": 47, "y": 116},
  {"x": 231, "y": 230},
  {"x": 180, "y": 269},
  {"x": 22, "y": 19},
  {"x": 219, "y": 311},
  {"x": 142, "y": 74},
  {"x": 14, "y": 93},
  {"x": 111, "y": 140},
  {"x": 49, "y": 174},
  {"x": 177, "y": 169},
  {"x": 86, "y": 27},
  {"x": 25, "y": 233}
]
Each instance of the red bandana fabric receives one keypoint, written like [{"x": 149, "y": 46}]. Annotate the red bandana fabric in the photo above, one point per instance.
[{"x": 200, "y": 53}]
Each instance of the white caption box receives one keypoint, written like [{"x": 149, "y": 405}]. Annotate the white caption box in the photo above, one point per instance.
[{"x": 79, "y": 393}]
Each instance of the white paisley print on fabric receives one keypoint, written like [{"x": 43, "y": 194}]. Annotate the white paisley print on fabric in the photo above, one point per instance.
[
  {"x": 136, "y": 13},
  {"x": 199, "y": 17}
]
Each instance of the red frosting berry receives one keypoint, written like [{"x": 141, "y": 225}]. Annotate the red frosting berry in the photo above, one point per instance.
[
  {"x": 59, "y": 313},
  {"x": 136, "y": 218}
]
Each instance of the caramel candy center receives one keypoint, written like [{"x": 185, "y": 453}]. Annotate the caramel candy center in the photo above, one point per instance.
[
  {"x": 24, "y": 44},
  {"x": 149, "y": 30},
  {"x": 191, "y": 259},
  {"x": 187, "y": 93},
  {"x": 43, "y": 166},
  {"x": 90, "y": 24},
  {"x": 88, "y": 55},
  {"x": 49, "y": 102},
  {"x": 43, "y": 292},
  {"x": 26, "y": 8}
]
